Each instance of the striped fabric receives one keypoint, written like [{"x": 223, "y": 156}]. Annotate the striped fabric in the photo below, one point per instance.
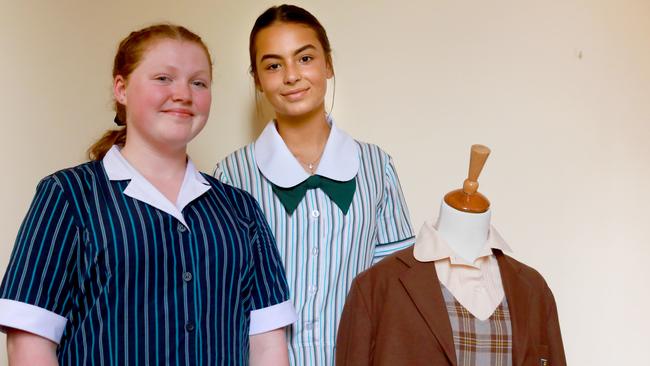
[
  {"x": 133, "y": 285},
  {"x": 323, "y": 249},
  {"x": 480, "y": 343}
]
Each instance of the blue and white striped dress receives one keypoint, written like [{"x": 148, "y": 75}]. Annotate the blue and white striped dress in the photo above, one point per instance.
[
  {"x": 323, "y": 249},
  {"x": 116, "y": 274}
]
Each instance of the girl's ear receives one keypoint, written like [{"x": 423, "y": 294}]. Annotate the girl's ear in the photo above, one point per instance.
[
  {"x": 119, "y": 89},
  {"x": 330, "y": 70}
]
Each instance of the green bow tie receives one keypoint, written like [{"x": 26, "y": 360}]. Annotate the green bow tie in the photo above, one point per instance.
[{"x": 339, "y": 192}]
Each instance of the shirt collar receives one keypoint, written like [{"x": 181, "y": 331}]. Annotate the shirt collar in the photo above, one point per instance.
[
  {"x": 194, "y": 184},
  {"x": 429, "y": 246},
  {"x": 340, "y": 160}
]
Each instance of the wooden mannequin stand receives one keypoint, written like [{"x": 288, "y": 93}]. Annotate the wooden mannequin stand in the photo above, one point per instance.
[{"x": 468, "y": 199}]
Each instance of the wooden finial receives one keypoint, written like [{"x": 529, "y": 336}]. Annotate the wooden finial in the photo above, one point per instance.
[{"x": 469, "y": 199}]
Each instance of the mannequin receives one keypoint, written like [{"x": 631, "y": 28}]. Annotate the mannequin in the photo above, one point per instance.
[
  {"x": 466, "y": 233},
  {"x": 461, "y": 245},
  {"x": 454, "y": 298},
  {"x": 464, "y": 220}
]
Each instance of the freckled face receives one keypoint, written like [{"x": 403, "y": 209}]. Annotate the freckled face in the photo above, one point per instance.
[
  {"x": 292, "y": 70},
  {"x": 168, "y": 95}
]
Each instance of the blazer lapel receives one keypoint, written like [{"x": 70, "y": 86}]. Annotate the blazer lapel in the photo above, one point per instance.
[
  {"x": 421, "y": 283},
  {"x": 517, "y": 293}
]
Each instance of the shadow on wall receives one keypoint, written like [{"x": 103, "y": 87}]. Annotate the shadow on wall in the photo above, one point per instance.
[{"x": 260, "y": 112}]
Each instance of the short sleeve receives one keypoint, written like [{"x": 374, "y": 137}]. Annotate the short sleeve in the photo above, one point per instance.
[
  {"x": 35, "y": 294},
  {"x": 271, "y": 307},
  {"x": 394, "y": 230}
]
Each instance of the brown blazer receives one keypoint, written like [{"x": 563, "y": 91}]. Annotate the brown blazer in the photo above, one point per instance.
[{"x": 395, "y": 315}]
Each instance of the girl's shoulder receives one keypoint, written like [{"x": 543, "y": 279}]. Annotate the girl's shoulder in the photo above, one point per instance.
[
  {"x": 369, "y": 152},
  {"x": 235, "y": 198},
  {"x": 82, "y": 175},
  {"x": 243, "y": 153},
  {"x": 239, "y": 168},
  {"x": 241, "y": 158}
]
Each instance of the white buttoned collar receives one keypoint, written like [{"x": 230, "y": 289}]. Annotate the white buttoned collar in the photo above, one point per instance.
[
  {"x": 340, "y": 159},
  {"x": 194, "y": 184},
  {"x": 429, "y": 246}
]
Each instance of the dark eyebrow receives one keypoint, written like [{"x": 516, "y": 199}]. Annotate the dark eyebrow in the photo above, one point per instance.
[
  {"x": 299, "y": 50},
  {"x": 303, "y": 48}
]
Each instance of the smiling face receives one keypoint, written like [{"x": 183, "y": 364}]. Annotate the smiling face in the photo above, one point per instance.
[
  {"x": 292, "y": 69},
  {"x": 167, "y": 96}
]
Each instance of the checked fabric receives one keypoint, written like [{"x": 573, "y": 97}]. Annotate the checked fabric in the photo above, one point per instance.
[{"x": 480, "y": 342}]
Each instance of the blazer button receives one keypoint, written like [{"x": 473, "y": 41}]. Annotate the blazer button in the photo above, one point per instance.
[{"x": 189, "y": 327}]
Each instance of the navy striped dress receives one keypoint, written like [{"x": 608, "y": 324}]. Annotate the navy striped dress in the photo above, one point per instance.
[{"x": 117, "y": 281}]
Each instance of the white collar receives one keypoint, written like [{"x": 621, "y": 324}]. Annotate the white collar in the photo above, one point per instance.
[
  {"x": 340, "y": 160},
  {"x": 194, "y": 184},
  {"x": 429, "y": 246}
]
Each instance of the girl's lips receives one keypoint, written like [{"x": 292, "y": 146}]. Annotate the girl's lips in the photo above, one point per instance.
[
  {"x": 295, "y": 94},
  {"x": 179, "y": 112}
]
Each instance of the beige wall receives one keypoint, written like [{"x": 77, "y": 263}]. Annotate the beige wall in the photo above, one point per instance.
[{"x": 559, "y": 90}]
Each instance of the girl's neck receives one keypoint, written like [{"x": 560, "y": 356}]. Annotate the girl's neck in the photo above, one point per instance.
[
  {"x": 305, "y": 137},
  {"x": 165, "y": 169},
  {"x": 302, "y": 124}
]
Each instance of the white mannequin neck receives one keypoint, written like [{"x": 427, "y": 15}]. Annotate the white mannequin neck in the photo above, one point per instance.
[{"x": 465, "y": 233}]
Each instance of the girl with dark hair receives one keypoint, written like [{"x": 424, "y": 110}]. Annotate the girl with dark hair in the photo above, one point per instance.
[
  {"x": 137, "y": 258},
  {"x": 334, "y": 204}
]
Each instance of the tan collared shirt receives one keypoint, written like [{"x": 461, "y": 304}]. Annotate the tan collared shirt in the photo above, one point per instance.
[{"x": 477, "y": 286}]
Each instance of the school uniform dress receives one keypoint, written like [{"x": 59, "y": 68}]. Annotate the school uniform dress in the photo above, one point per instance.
[
  {"x": 116, "y": 274},
  {"x": 349, "y": 215}
]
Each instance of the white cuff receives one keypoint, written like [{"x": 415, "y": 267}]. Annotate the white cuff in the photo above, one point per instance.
[
  {"x": 272, "y": 317},
  {"x": 32, "y": 319}
]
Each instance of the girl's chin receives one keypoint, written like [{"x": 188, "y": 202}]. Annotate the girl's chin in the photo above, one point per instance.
[{"x": 297, "y": 112}]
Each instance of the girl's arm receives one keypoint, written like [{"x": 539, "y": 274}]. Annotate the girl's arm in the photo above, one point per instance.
[
  {"x": 25, "y": 348},
  {"x": 269, "y": 349}
]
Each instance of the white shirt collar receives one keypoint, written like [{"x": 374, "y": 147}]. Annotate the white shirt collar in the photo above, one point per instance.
[
  {"x": 340, "y": 160},
  {"x": 429, "y": 246},
  {"x": 194, "y": 184}
]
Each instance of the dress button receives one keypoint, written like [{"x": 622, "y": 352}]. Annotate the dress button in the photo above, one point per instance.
[
  {"x": 314, "y": 251},
  {"x": 315, "y": 213},
  {"x": 309, "y": 326},
  {"x": 181, "y": 228},
  {"x": 312, "y": 289},
  {"x": 189, "y": 327},
  {"x": 187, "y": 276}
]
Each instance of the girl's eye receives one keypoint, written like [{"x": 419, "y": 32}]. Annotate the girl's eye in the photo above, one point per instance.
[
  {"x": 200, "y": 84},
  {"x": 272, "y": 67},
  {"x": 163, "y": 78},
  {"x": 305, "y": 59}
]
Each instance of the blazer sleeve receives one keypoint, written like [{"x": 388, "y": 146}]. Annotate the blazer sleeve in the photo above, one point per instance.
[
  {"x": 556, "y": 348},
  {"x": 355, "y": 340}
]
